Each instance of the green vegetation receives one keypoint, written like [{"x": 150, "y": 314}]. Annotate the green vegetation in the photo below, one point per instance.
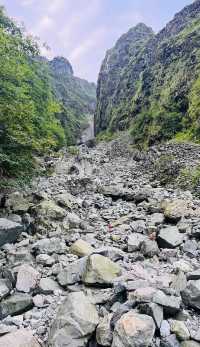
[
  {"x": 189, "y": 178},
  {"x": 27, "y": 108},
  {"x": 153, "y": 86},
  {"x": 41, "y": 108}
]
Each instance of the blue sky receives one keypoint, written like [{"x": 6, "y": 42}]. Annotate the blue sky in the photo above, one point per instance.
[{"x": 82, "y": 30}]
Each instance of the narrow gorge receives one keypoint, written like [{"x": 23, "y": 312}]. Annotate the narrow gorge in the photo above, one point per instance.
[{"x": 100, "y": 197}]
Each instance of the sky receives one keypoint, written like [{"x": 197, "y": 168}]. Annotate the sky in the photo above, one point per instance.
[{"x": 83, "y": 30}]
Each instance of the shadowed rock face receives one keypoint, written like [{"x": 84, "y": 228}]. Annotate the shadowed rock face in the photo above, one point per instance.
[{"x": 148, "y": 78}]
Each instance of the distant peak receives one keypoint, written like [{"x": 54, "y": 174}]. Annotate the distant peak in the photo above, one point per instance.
[{"x": 61, "y": 66}]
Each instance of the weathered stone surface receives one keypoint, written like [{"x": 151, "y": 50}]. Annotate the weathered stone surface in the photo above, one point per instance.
[
  {"x": 190, "y": 344},
  {"x": 104, "y": 333},
  {"x": 174, "y": 210},
  {"x": 194, "y": 275},
  {"x": 48, "y": 286},
  {"x": 16, "y": 304},
  {"x": 180, "y": 330},
  {"x": 149, "y": 248},
  {"x": 27, "y": 279},
  {"x": 191, "y": 295},
  {"x": 49, "y": 209},
  {"x": 100, "y": 270},
  {"x": 179, "y": 283},
  {"x": 9, "y": 231},
  {"x": 170, "y": 303},
  {"x": 134, "y": 242},
  {"x": 49, "y": 246},
  {"x": 20, "y": 338},
  {"x": 170, "y": 237},
  {"x": 113, "y": 253},
  {"x": 72, "y": 273},
  {"x": 17, "y": 203},
  {"x": 133, "y": 330},
  {"x": 170, "y": 341},
  {"x": 5, "y": 288},
  {"x": 81, "y": 248},
  {"x": 142, "y": 295},
  {"x": 76, "y": 320},
  {"x": 153, "y": 310}
]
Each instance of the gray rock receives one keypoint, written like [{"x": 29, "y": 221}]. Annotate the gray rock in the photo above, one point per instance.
[
  {"x": 164, "y": 329},
  {"x": 100, "y": 270},
  {"x": 72, "y": 273},
  {"x": 45, "y": 260},
  {"x": 9, "y": 231},
  {"x": 190, "y": 344},
  {"x": 49, "y": 246},
  {"x": 190, "y": 248},
  {"x": 179, "y": 283},
  {"x": 112, "y": 253},
  {"x": 191, "y": 295},
  {"x": 149, "y": 248},
  {"x": 138, "y": 226},
  {"x": 48, "y": 286},
  {"x": 153, "y": 310},
  {"x": 170, "y": 303},
  {"x": 194, "y": 275},
  {"x": 134, "y": 242},
  {"x": 74, "y": 323},
  {"x": 104, "y": 333},
  {"x": 133, "y": 330},
  {"x": 170, "y": 237},
  {"x": 180, "y": 330},
  {"x": 81, "y": 248},
  {"x": 16, "y": 304},
  {"x": 27, "y": 279},
  {"x": 20, "y": 338},
  {"x": 157, "y": 219},
  {"x": 5, "y": 288},
  {"x": 142, "y": 295},
  {"x": 170, "y": 341}
]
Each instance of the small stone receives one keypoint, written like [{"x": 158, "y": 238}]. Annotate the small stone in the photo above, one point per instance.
[
  {"x": 191, "y": 294},
  {"x": 9, "y": 231},
  {"x": 27, "y": 279},
  {"x": 170, "y": 303},
  {"x": 81, "y": 248},
  {"x": 39, "y": 301},
  {"x": 49, "y": 246},
  {"x": 176, "y": 209},
  {"x": 134, "y": 242},
  {"x": 104, "y": 332},
  {"x": 48, "y": 286},
  {"x": 45, "y": 260},
  {"x": 100, "y": 270},
  {"x": 72, "y": 273},
  {"x": 170, "y": 237},
  {"x": 153, "y": 310},
  {"x": 142, "y": 295},
  {"x": 164, "y": 329},
  {"x": 170, "y": 341},
  {"x": 180, "y": 330},
  {"x": 149, "y": 248}
]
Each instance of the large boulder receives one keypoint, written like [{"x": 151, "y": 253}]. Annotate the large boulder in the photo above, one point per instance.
[
  {"x": 170, "y": 303},
  {"x": 133, "y": 330},
  {"x": 9, "y": 231},
  {"x": 19, "y": 338},
  {"x": 100, "y": 270},
  {"x": 191, "y": 294},
  {"x": 170, "y": 237},
  {"x": 74, "y": 323}
]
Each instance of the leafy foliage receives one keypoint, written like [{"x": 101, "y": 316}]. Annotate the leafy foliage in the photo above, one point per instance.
[{"x": 28, "y": 110}]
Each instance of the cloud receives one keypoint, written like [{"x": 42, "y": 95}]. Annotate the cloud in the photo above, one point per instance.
[
  {"x": 45, "y": 23},
  {"x": 27, "y": 2}
]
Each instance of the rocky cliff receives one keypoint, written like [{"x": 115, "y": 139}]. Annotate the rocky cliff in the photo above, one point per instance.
[
  {"x": 77, "y": 96},
  {"x": 157, "y": 87}
]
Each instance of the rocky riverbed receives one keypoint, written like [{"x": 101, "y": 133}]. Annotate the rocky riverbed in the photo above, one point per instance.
[{"x": 101, "y": 253}]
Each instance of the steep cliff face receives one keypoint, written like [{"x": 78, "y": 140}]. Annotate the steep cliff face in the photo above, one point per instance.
[
  {"x": 157, "y": 91},
  {"x": 77, "y": 97},
  {"x": 113, "y": 71}
]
